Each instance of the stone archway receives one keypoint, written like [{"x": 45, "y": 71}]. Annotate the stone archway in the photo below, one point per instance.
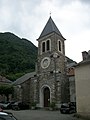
[
  {"x": 46, "y": 93},
  {"x": 44, "y": 96}
]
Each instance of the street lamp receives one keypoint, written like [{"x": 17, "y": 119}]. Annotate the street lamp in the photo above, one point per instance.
[{"x": 55, "y": 56}]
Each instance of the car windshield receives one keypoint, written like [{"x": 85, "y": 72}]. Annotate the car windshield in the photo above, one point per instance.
[
  {"x": 7, "y": 117},
  {"x": 64, "y": 105}
]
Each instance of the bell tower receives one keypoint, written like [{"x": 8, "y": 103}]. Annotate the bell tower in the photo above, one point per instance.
[{"x": 51, "y": 70}]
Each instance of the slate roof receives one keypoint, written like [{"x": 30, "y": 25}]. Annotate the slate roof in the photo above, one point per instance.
[
  {"x": 73, "y": 64},
  {"x": 83, "y": 62},
  {"x": 49, "y": 28},
  {"x": 4, "y": 80},
  {"x": 24, "y": 78}
]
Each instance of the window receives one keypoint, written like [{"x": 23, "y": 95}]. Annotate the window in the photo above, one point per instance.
[
  {"x": 43, "y": 47},
  {"x": 59, "y": 45},
  {"x": 48, "y": 44}
]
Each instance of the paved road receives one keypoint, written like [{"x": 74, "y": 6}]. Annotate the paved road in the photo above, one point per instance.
[{"x": 41, "y": 115}]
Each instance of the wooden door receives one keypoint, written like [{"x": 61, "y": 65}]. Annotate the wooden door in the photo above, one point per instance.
[{"x": 46, "y": 97}]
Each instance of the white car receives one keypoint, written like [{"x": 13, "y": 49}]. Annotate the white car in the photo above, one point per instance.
[{"x": 6, "y": 116}]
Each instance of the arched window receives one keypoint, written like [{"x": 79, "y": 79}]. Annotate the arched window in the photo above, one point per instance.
[
  {"x": 43, "y": 47},
  {"x": 48, "y": 45},
  {"x": 59, "y": 45}
]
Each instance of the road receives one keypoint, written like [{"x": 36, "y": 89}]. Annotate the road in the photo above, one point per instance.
[{"x": 41, "y": 115}]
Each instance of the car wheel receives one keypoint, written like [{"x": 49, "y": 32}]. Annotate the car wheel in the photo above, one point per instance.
[
  {"x": 71, "y": 111},
  {"x": 61, "y": 111},
  {"x": 64, "y": 111}
]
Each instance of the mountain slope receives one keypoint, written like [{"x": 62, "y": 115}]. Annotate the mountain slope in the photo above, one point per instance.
[{"x": 17, "y": 56}]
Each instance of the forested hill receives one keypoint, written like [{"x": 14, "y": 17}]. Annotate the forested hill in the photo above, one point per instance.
[{"x": 17, "y": 56}]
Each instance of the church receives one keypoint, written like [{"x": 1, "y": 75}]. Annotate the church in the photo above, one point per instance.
[{"x": 49, "y": 83}]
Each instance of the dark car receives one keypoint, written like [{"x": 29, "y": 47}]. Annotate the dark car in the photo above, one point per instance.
[
  {"x": 20, "y": 106},
  {"x": 6, "y": 105},
  {"x": 9, "y": 105},
  {"x": 6, "y": 116},
  {"x": 68, "y": 108}
]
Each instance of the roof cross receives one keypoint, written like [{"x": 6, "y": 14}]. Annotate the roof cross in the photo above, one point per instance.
[{"x": 50, "y": 13}]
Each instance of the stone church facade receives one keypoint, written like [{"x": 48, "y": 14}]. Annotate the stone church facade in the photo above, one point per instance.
[{"x": 49, "y": 83}]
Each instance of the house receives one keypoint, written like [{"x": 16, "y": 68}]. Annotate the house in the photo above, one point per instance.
[
  {"x": 71, "y": 77},
  {"x": 82, "y": 78},
  {"x": 4, "y": 81},
  {"x": 24, "y": 88}
]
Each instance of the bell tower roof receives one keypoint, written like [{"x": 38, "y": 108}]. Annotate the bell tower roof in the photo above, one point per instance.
[{"x": 49, "y": 28}]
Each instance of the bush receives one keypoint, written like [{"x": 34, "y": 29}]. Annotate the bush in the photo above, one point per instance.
[
  {"x": 52, "y": 105},
  {"x": 33, "y": 104}
]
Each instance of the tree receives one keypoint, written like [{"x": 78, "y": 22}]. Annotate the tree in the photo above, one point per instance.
[{"x": 6, "y": 90}]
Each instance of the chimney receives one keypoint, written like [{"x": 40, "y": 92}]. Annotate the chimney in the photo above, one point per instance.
[{"x": 84, "y": 55}]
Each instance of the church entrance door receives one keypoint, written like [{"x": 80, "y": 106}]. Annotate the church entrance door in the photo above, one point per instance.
[{"x": 46, "y": 97}]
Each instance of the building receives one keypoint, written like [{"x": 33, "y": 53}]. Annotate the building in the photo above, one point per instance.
[
  {"x": 49, "y": 83},
  {"x": 3, "y": 82},
  {"x": 82, "y": 77},
  {"x": 71, "y": 76}
]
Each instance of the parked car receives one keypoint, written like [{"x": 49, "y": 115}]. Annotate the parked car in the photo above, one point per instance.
[
  {"x": 20, "y": 106},
  {"x": 6, "y": 105},
  {"x": 6, "y": 116},
  {"x": 9, "y": 105},
  {"x": 3, "y": 104},
  {"x": 68, "y": 108}
]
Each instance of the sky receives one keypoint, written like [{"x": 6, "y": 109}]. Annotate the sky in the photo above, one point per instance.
[{"x": 27, "y": 18}]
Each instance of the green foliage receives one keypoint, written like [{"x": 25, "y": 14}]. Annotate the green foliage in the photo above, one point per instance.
[
  {"x": 6, "y": 90},
  {"x": 13, "y": 77},
  {"x": 17, "y": 56},
  {"x": 33, "y": 104},
  {"x": 52, "y": 105}
]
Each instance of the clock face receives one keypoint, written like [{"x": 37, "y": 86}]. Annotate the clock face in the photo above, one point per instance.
[{"x": 45, "y": 62}]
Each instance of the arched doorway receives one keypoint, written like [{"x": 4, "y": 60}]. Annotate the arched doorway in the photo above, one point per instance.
[{"x": 46, "y": 93}]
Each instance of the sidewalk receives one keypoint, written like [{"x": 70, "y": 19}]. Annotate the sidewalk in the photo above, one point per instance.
[{"x": 83, "y": 116}]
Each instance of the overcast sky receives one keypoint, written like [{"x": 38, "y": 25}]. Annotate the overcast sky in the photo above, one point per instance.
[{"x": 27, "y": 18}]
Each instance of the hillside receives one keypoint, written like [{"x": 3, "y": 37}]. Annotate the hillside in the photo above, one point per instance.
[{"x": 17, "y": 56}]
